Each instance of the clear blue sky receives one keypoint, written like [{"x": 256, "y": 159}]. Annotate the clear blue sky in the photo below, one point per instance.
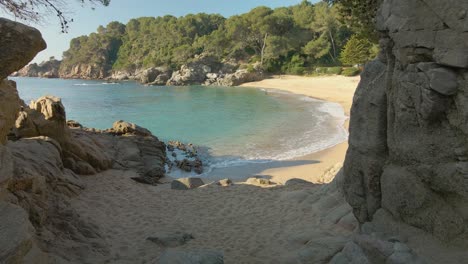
[{"x": 87, "y": 20}]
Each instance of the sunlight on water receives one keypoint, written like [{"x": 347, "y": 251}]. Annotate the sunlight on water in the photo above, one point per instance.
[{"x": 237, "y": 125}]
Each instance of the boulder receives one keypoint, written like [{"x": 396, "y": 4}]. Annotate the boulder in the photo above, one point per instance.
[
  {"x": 155, "y": 76},
  {"x": 200, "y": 256},
  {"x": 239, "y": 77},
  {"x": 258, "y": 181},
  {"x": 224, "y": 182},
  {"x": 20, "y": 44},
  {"x": 186, "y": 183},
  {"x": 125, "y": 128}
]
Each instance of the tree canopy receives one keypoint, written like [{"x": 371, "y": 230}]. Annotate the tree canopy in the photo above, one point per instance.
[{"x": 284, "y": 39}]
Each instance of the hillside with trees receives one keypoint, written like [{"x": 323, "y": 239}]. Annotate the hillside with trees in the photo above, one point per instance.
[{"x": 286, "y": 40}]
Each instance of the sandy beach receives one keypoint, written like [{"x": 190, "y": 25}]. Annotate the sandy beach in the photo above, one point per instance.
[
  {"x": 322, "y": 166},
  {"x": 300, "y": 222}
]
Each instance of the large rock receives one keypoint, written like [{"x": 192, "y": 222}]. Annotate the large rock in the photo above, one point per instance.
[
  {"x": 17, "y": 237},
  {"x": 46, "y": 69},
  {"x": 125, "y": 128},
  {"x": 155, "y": 76},
  {"x": 9, "y": 108},
  {"x": 20, "y": 44},
  {"x": 408, "y": 151}
]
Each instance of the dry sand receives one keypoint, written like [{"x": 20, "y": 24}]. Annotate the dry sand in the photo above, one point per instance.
[
  {"x": 322, "y": 166},
  {"x": 298, "y": 223}
]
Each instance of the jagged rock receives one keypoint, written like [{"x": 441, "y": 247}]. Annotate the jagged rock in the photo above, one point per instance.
[
  {"x": 175, "y": 256},
  {"x": 196, "y": 71},
  {"x": 46, "y": 69},
  {"x": 83, "y": 71},
  {"x": 20, "y": 43},
  {"x": 155, "y": 76},
  {"x": 171, "y": 239},
  {"x": 239, "y": 77},
  {"x": 186, "y": 183},
  {"x": 122, "y": 128}
]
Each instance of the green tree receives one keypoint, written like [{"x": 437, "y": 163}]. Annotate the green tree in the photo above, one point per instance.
[
  {"x": 357, "y": 51},
  {"x": 360, "y": 15}
]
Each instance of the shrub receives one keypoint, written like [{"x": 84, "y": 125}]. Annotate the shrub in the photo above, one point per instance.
[
  {"x": 328, "y": 70},
  {"x": 334, "y": 70},
  {"x": 349, "y": 72}
]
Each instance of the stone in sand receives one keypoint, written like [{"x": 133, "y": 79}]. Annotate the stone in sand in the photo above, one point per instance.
[
  {"x": 171, "y": 239},
  {"x": 200, "y": 256},
  {"x": 224, "y": 182},
  {"x": 186, "y": 183},
  {"x": 258, "y": 181}
]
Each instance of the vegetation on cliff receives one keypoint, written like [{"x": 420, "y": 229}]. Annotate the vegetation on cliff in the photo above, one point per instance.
[{"x": 283, "y": 40}]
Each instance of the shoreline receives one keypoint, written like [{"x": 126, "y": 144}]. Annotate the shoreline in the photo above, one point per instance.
[{"x": 321, "y": 166}]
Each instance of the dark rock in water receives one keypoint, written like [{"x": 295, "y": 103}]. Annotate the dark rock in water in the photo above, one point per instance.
[
  {"x": 186, "y": 183},
  {"x": 175, "y": 256},
  {"x": 171, "y": 239},
  {"x": 20, "y": 44}
]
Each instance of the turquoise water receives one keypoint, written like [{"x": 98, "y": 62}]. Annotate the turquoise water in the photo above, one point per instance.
[{"x": 235, "y": 125}]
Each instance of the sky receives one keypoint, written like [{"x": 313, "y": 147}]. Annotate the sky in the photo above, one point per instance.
[{"x": 87, "y": 18}]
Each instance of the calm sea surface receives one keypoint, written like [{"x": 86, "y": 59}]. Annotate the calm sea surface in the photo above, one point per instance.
[{"x": 234, "y": 125}]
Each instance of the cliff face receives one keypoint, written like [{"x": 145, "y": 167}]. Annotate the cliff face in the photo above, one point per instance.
[
  {"x": 46, "y": 69},
  {"x": 408, "y": 131}
]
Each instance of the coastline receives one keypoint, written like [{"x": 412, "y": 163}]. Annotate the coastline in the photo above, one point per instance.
[{"x": 322, "y": 166}]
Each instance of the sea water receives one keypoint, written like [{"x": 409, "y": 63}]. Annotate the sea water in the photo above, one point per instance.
[{"x": 233, "y": 125}]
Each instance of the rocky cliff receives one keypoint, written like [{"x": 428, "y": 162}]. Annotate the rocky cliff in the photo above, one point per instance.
[
  {"x": 42, "y": 159},
  {"x": 406, "y": 167},
  {"x": 46, "y": 69}
]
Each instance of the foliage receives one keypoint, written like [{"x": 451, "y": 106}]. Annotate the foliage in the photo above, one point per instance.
[
  {"x": 349, "y": 72},
  {"x": 282, "y": 40},
  {"x": 360, "y": 15},
  {"x": 98, "y": 48},
  {"x": 328, "y": 70},
  {"x": 357, "y": 51},
  {"x": 34, "y": 10}
]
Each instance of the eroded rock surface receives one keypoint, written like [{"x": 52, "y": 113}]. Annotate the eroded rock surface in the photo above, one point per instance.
[{"x": 408, "y": 148}]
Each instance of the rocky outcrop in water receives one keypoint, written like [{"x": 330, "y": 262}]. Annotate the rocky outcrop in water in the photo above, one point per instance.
[
  {"x": 46, "y": 69},
  {"x": 406, "y": 167},
  {"x": 83, "y": 71}
]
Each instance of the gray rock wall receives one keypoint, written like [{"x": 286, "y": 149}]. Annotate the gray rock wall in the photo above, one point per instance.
[{"x": 408, "y": 149}]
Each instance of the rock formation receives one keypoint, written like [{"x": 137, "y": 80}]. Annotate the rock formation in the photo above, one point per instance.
[
  {"x": 39, "y": 169},
  {"x": 46, "y": 69},
  {"x": 407, "y": 160}
]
